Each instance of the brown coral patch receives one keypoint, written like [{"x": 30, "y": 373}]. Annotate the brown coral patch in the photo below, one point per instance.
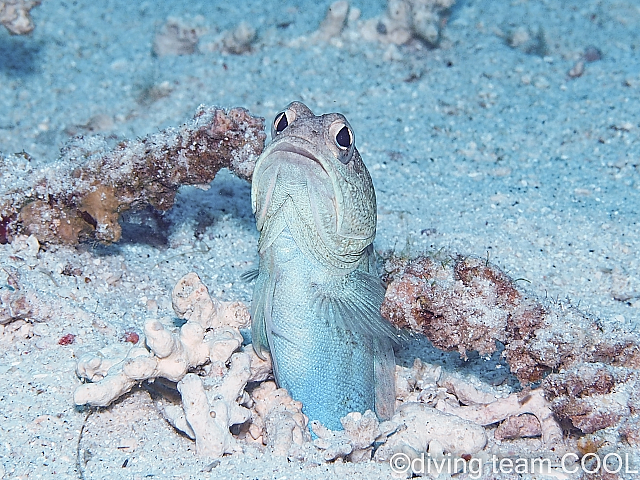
[
  {"x": 581, "y": 382},
  {"x": 102, "y": 206},
  {"x": 52, "y": 223},
  {"x": 521, "y": 426},
  {"x": 587, "y": 417},
  {"x": 463, "y": 303}
]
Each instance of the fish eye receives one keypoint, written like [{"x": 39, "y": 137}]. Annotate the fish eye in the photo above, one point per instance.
[
  {"x": 344, "y": 138},
  {"x": 281, "y": 122},
  {"x": 341, "y": 134}
]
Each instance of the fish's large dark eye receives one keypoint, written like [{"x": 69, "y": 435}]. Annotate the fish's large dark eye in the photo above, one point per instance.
[
  {"x": 343, "y": 138},
  {"x": 281, "y": 122}
]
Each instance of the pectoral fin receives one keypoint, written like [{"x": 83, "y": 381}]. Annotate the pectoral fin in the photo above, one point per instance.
[
  {"x": 249, "y": 275},
  {"x": 353, "y": 303},
  {"x": 258, "y": 324}
]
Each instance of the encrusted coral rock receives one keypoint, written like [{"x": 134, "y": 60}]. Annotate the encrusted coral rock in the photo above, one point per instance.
[
  {"x": 82, "y": 194},
  {"x": 464, "y": 304},
  {"x": 520, "y": 426},
  {"x": 630, "y": 430},
  {"x": 14, "y": 15}
]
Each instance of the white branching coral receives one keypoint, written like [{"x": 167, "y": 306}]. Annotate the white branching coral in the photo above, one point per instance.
[{"x": 210, "y": 404}]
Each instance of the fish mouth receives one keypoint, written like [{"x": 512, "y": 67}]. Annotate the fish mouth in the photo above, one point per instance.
[{"x": 295, "y": 149}]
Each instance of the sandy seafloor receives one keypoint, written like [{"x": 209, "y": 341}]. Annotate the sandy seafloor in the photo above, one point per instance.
[{"x": 475, "y": 146}]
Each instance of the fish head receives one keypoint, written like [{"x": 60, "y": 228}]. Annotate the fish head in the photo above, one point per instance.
[{"x": 313, "y": 161}]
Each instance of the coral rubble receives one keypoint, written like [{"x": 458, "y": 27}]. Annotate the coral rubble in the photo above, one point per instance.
[
  {"x": 594, "y": 396},
  {"x": 82, "y": 194},
  {"x": 14, "y": 15},
  {"x": 223, "y": 384},
  {"x": 526, "y": 414},
  {"x": 402, "y": 22},
  {"x": 228, "y": 398},
  {"x": 422, "y": 428},
  {"x": 278, "y": 421},
  {"x": 334, "y": 22}
]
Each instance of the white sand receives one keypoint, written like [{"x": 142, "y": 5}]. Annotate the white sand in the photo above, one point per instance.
[{"x": 475, "y": 147}]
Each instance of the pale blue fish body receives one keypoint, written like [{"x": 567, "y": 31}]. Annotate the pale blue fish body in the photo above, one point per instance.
[{"x": 317, "y": 298}]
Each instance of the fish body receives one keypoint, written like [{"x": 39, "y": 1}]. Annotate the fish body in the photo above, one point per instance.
[{"x": 316, "y": 305}]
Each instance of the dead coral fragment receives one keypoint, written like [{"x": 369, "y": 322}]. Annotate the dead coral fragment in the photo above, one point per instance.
[
  {"x": 409, "y": 19},
  {"x": 278, "y": 421},
  {"x": 176, "y": 37},
  {"x": 452, "y": 394},
  {"x": 355, "y": 442},
  {"x": 528, "y": 41},
  {"x": 334, "y": 22},
  {"x": 239, "y": 40},
  {"x": 520, "y": 426},
  {"x": 515, "y": 404},
  {"x": 14, "y": 15},
  {"x": 82, "y": 194},
  {"x": 422, "y": 428}
]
